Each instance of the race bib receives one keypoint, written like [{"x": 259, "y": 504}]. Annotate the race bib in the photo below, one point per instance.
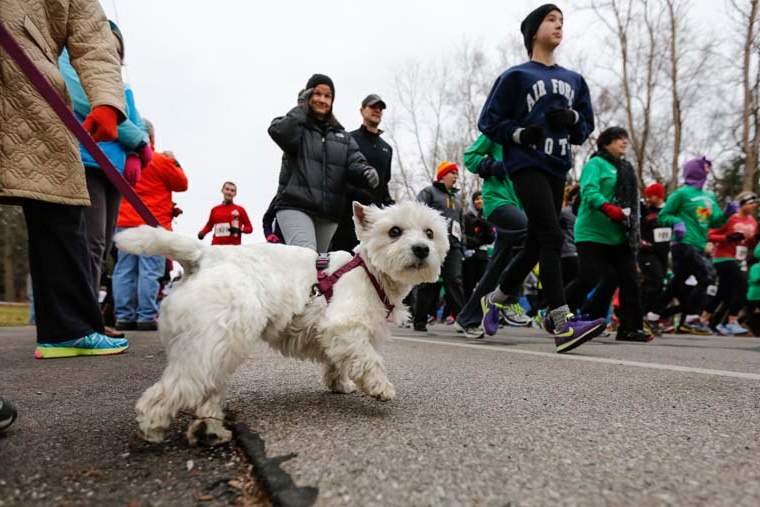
[
  {"x": 662, "y": 234},
  {"x": 456, "y": 230},
  {"x": 221, "y": 230},
  {"x": 741, "y": 253}
]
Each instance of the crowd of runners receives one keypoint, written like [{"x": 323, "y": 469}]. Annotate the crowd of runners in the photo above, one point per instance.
[{"x": 531, "y": 248}]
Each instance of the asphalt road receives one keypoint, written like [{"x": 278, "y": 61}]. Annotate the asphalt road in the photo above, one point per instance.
[{"x": 500, "y": 422}]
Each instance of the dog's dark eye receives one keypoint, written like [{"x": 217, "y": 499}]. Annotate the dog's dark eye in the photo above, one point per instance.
[
  {"x": 395, "y": 232},
  {"x": 429, "y": 233}
]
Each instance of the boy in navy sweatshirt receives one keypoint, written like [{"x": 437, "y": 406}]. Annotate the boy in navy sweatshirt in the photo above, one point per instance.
[{"x": 536, "y": 110}]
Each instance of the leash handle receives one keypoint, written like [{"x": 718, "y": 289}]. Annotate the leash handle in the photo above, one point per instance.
[{"x": 44, "y": 88}]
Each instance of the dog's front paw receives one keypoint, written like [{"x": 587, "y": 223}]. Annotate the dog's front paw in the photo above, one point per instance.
[
  {"x": 387, "y": 393},
  {"x": 378, "y": 387},
  {"x": 152, "y": 435},
  {"x": 342, "y": 386}
]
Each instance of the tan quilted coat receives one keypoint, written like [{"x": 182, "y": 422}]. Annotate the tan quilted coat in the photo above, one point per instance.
[{"x": 39, "y": 159}]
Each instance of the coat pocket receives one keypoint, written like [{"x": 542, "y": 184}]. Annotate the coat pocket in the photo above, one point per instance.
[{"x": 36, "y": 36}]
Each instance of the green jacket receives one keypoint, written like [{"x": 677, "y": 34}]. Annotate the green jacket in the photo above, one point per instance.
[
  {"x": 753, "y": 289},
  {"x": 495, "y": 192},
  {"x": 697, "y": 209},
  {"x": 598, "y": 181}
]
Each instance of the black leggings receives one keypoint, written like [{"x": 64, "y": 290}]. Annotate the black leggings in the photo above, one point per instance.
[
  {"x": 653, "y": 267},
  {"x": 607, "y": 267},
  {"x": 541, "y": 196},
  {"x": 688, "y": 261},
  {"x": 732, "y": 290}
]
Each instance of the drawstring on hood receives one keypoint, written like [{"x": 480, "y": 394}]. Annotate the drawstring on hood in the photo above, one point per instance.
[{"x": 695, "y": 172}]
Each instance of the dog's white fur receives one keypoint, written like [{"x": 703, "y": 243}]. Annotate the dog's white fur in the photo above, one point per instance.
[{"x": 231, "y": 297}]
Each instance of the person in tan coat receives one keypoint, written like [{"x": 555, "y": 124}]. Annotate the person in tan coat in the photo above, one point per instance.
[{"x": 41, "y": 169}]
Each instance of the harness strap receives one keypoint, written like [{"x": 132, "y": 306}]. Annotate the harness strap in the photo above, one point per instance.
[{"x": 325, "y": 282}]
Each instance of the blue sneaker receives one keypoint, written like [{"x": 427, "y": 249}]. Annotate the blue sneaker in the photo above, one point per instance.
[
  {"x": 94, "y": 344},
  {"x": 491, "y": 315},
  {"x": 735, "y": 328},
  {"x": 576, "y": 332}
]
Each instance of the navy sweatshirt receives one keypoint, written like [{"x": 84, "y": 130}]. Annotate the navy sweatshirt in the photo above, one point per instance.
[{"x": 522, "y": 96}]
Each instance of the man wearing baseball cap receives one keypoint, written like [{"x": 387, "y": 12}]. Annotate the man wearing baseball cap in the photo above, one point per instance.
[{"x": 379, "y": 155}]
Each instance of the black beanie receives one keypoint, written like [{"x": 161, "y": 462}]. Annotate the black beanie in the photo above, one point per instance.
[
  {"x": 530, "y": 24},
  {"x": 320, "y": 79}
]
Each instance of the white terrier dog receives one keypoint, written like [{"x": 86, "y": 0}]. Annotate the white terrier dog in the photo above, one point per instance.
[{"x": 231, "y": 297}]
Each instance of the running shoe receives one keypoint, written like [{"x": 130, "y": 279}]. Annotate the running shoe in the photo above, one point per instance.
[
  {"x": 7, "y": 414},
  {"x": 735, "y": 328},
  {"x": 491, "y": 314},
  {"x": 634, "y": 336},
  {"x": 694, "y": 327},
  {"x": 514, "y": 314},
  {"x": 722, "y": 330},
  {"x": 576, "y": 332},
  {"x": 652, "y": 327},
  {"x": 94, "y": 344},
  {"x": 472, "y": 332}
]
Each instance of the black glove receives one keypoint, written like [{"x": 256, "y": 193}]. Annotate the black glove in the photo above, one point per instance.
[
  {"x": 735, "y": 237},
  {"x": 532, "y": 134},
  {"x": 304, "y": 96},
  {"x": 560, "y": 118},
  {"x": 235, "y": 231},
  {"x": 200, "y": 235},
  {"x": 372, "y": 177},
  {"x": 490, "y": 168}
]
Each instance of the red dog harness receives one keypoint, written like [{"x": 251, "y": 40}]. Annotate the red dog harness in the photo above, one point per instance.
[{"x": 325, "y": 282}]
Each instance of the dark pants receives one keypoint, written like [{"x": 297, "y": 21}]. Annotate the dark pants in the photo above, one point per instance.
[
  {"x": 345, "y": 236},
  {"x": 100, "y": 219},
  {"x": 732, "y": 291},
  {"x": 569, "y": 269},
  {"x": 427, "y": 293},
  {"x": 511, "y": 227},
  {"x": 607, "y": 267},
  {"x": 473, "y": 268},
  {"x": 541, "y": 196},
  {"x": 653, "y": 269},
  {"x": 688, "y": 261},
  {"x": 65, "y": 305}
]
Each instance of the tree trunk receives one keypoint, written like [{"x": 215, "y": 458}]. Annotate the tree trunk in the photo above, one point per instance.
[
  {"x": 749, "y": 130},
  {"x": 675, "y": 98},
  {"x": 9, "y": 286}
]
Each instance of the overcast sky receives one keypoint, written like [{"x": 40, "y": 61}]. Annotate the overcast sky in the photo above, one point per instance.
[{"x": 211, "y": 76}]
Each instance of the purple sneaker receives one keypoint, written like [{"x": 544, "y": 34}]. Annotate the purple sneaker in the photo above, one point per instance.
[
  {"x": 491, "y": 316},
  {"x": 576, "y": 332}
]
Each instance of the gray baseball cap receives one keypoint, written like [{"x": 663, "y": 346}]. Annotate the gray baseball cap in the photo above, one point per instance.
[{"x": 373, "y": 100}]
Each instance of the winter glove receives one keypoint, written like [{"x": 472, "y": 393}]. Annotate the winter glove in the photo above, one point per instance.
[
  {"x": 615, "y": 213},
  {"x": 201, "y": 235},
  {"x": 102, "y": 123},
  {"x": 560, "y": 118},
  {"x": 735, "y": 237},
  {"x": 132, "y": 170},
  {"x": 273, "y": 238},
  {"x": 304, "y": 96},
  {"x": 176, "y": 211},
  {"x": 490, "y": 168},
  {"x": 532, "y": 134},
  {"x": 679, "y": 231},
  {"x": 371, "y": 176},
  {"x": 146, "y": 155},
  {"x": 731, "y": 209}
]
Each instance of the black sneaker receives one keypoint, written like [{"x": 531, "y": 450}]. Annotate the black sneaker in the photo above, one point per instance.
[
  {"x": 124, "y": 325},
  {"x": 7, "y": 414},
  {"x": 150, "y": 325},
  {"x": 634, "y": 336},
  {"x": 421, "y": 327}
]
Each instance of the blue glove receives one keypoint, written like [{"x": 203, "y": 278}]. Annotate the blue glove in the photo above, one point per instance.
[
  {"x": 679, "y": 231},
  {"x": 731, "y": 208}
]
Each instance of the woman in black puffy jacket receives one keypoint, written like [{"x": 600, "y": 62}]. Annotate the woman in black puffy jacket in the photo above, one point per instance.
[{"x": 319, "y": 157}]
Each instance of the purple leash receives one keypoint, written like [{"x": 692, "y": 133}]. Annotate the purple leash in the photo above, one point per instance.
[{"x": 41, "y": 84}]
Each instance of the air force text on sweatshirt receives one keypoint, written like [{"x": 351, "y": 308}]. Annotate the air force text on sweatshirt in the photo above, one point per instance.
[{"x": 521, "y": 97}]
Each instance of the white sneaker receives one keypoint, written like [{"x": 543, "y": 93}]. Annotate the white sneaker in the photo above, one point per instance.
[
  {"x": 473, "y": 332},
  {"x": 515, "y": 315},
  {"x": 735, "y": 328}
]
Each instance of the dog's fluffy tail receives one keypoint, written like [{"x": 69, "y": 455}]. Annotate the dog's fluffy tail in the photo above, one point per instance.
[{"x": 146, "y": 240}]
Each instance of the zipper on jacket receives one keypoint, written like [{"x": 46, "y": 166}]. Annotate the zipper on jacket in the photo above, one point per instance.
[{"x": 324, "y": 174}]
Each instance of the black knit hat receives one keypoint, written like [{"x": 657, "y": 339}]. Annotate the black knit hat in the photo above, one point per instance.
[
  {"x": 530, "y": 24},
  {"x": 320, "y": 79}
]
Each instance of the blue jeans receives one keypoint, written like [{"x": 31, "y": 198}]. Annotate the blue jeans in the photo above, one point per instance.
[{"x": 135, "y": 286}]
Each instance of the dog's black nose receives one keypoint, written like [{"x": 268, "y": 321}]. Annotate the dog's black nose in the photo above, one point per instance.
[{"x": 421, "y": 251}]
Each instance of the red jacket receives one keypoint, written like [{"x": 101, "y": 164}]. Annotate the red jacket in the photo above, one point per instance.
[
  {"x": 222, "y": 218},
  {"x": 155, "y": 186},
  {"x": 726, "y": 249}
]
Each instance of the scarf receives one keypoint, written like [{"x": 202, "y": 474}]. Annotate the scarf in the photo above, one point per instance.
[{"x": 626, "y": 196}]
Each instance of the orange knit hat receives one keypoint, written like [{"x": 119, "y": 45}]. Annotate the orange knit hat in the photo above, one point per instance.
[{"x": 445, "y": 168}]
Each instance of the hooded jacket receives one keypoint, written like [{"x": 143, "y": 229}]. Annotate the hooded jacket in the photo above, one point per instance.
[
  {"x": 445, "y": 201},
  {"x": 319, "y": 158}
]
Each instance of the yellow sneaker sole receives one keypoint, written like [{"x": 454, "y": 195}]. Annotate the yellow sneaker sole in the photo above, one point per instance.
[{"x": 60, "y": 352}]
